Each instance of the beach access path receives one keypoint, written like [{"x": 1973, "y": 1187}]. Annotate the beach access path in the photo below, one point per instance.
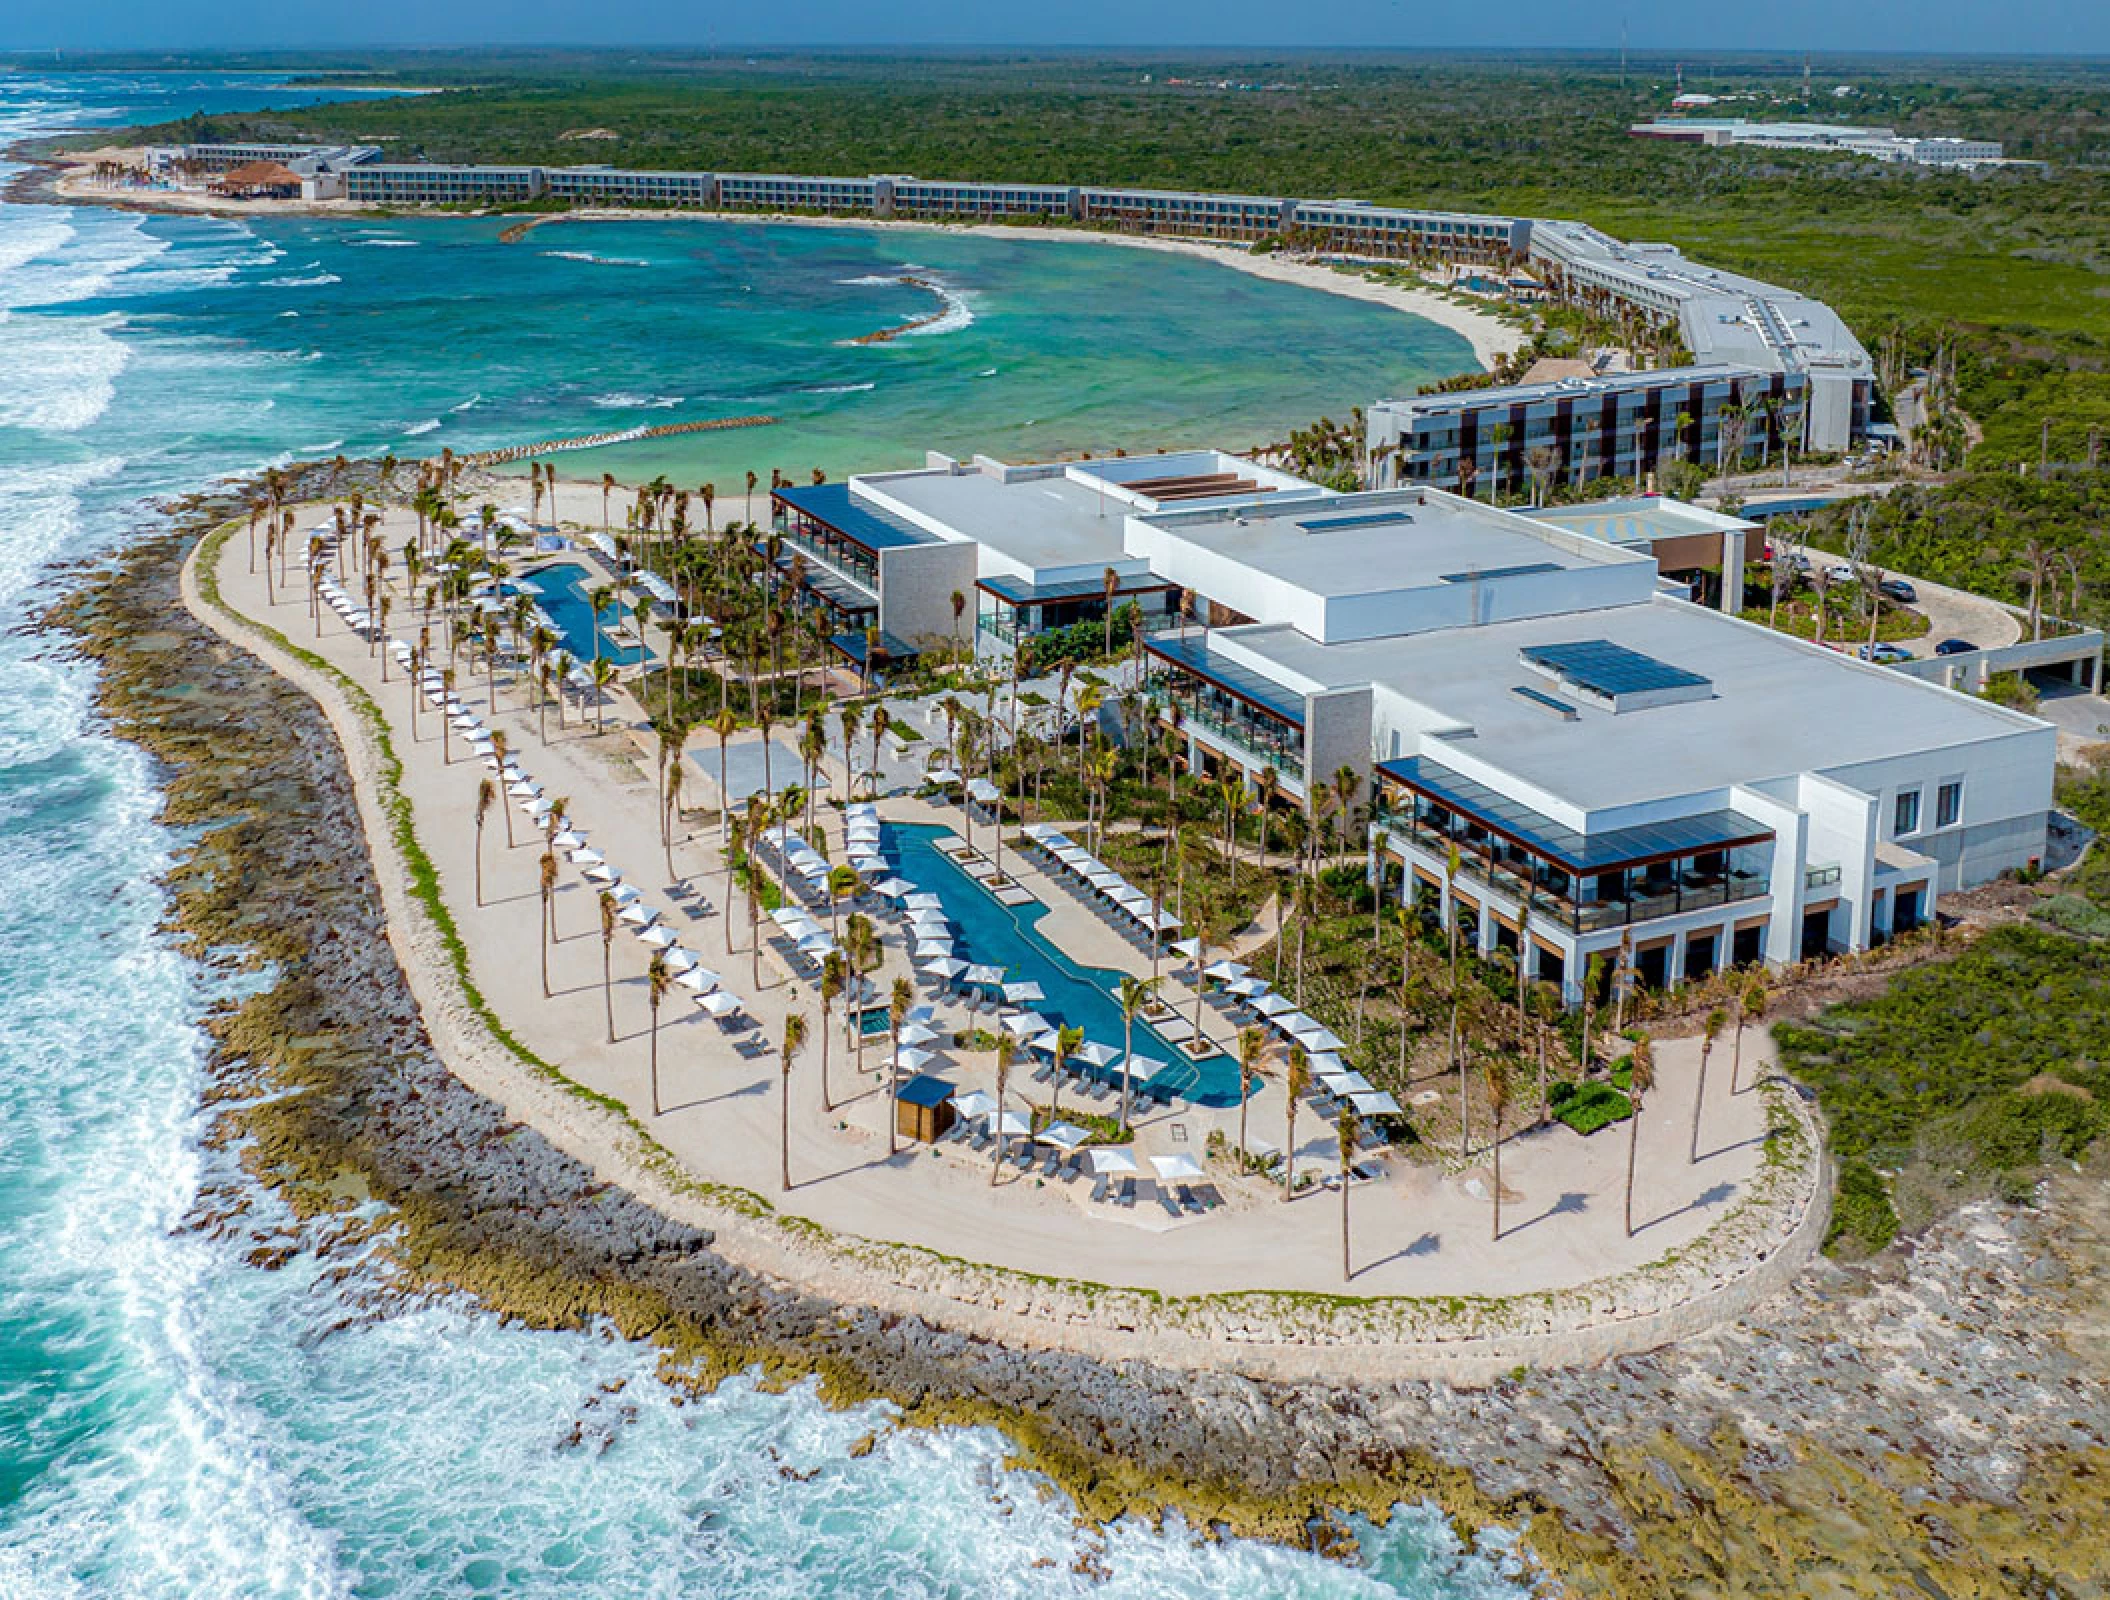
[{"x": 1422, "y": 1232}]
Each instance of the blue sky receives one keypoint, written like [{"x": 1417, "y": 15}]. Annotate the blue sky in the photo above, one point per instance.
[{"x": 2064, "y": 27}]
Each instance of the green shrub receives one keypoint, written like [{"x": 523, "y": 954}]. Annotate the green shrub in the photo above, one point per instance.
[
  {"x": 1593, "y": 1106},
  {"x": 1863, "y": 1219}
]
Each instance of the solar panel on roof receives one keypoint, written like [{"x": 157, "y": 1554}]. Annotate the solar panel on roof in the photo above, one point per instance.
[
  {"x": 1374, "y": 519},
  {"x": 1521, "y": 570},
  {"x": 1606, "y": 668}
]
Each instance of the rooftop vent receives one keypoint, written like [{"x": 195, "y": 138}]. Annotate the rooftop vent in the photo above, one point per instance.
[
  {"x": 1375, "y": 519},
  {"x": 1615, "y": 677}
]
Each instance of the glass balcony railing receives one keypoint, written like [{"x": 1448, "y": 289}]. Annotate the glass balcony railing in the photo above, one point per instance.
[
  {"x": 1591, "y": 904},
  {"x": 1822, "y": 877},
  {"x": 1248, "y": 736}
]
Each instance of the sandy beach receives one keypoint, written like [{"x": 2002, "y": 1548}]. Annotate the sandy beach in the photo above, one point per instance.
[{"x": 1491, "y": 336}]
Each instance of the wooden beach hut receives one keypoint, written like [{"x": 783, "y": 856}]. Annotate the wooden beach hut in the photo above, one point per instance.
[{"x": 923, "y": 1109}]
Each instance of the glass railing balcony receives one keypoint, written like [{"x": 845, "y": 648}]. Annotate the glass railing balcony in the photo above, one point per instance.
[
  {"x": 1824, "y": 876},
  {"x": 1248, "y": 736},
  {"x": 838, "y": 560}
]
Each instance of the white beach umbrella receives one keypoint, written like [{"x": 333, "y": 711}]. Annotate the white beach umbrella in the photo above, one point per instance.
[
  {"x": 569, "y": 839},
  {"x": 587, "y": 856},
  {"x": 942, "y": 966},
  {"x": 720, "y": 1004},
  {"x": 1012, "y": 1126},
  {"x": 1246, "y": 988},
  {"x": 893, "y": 888},
  {"x": 1224, "y": 972},
  {"x": 656, "y": 936},
  {"x": 1110, "y": 1161},
  {"x": 1019, "y": 994},
  {"x": 917, "y": 1033},
  {"x": 1271, "y": 1005},
  {"x": 1190, "y": 948},
  {"x": 623, "y": 893},
  {"x": 944, "y": 777},
  {"x": 1097, "y": 1055},
  {"x": 1374, "y": 1103},
  {"x": 909, "y": 1059},
  {"x": 1179, "y": 1167},
  {"x": 921, "y": 900},
  {"x": 1315, "y": 1036},
  {"x": 817, "y": 944},
  {"x": 973, "y": 1104},
  {"x": 1064, "y": 1136},
  {"x": 985, "y": 974},
  {"x": 601, "y": 872},
  {"x": 698, "y": 980},
  {"x": 638, "y": 914},
  {"x": 1024, "y": 1024},
  {"x": 677, "y": 959}
]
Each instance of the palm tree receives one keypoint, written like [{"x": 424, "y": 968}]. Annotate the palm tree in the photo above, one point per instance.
[
  {"x": 1109, "y": 586},
  {"x": 899, "y": 1003},
  {"x": 1252, "y": 1052},
  {"x": 1496, "y": 1072},
  {"x": 608, "y": 916},
  {"x": 881, "y": 721},
  {"x": 1297, "y": 1081},
  {"x": 725, "y": 725},
  {"x": 1006, "y": 1048},
  {"x": 486, "y": 792},
  {"x": 1264, "y": 783},
  {"x": 959, "y": 610},
  {"x": 1642, "y": 1067},
  {"x": 1450, "y": 905},
  {"x": 657, "y": 980},
  {"x": 602, "y": 676},
  {"x": 1133, "y": 996},
  {"x": 1750, "y": 1003},
  {"x": 1346, "y": 1130},
  {"x": 549, "y": 911},
  {"x": 831, "y": 988},
  {"x": 1710, "y": 1031},
  {"x": 1067, "y": 1041},
  {"x": 794, "y": 1042}
]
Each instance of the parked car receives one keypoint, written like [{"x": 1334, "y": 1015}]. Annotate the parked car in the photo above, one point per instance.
[
  {"x": 1899, "y": 590},
  {"x": 1954, "y": 647},
  {"x": 1883, "y": 654},
  {"x": 1839, "y": 572}
]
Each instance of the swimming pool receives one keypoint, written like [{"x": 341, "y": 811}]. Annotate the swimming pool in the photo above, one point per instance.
[
  {"x": 564, "y": 586},
  {"x": 994, "y": 934}
]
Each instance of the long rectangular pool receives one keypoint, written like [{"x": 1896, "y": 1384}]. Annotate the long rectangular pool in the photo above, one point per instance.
[{"x": 994, "y": 934}]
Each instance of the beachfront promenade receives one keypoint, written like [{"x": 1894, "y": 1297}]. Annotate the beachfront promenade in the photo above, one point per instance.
[{"x": 1419, "y": 1231}]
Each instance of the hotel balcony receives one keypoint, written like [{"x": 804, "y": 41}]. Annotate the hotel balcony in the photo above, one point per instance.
[
  {"x": 1226, "y": 704},
  {"x": 1015, "y": 609},
  {"x": 1582, "y": 883}
]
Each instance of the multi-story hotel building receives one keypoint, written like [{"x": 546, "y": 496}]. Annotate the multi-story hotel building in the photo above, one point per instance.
[
  {"x": 631, "y": 186},
  {"x": 431, "y": 183},
  {"x": 1509, "y": 440},
  {"x": 772, "y": 191},
  {"x": 1611, "y": 763}
]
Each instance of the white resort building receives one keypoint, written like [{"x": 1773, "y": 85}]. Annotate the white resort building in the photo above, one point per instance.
[{"x": 1611, "y": 761}]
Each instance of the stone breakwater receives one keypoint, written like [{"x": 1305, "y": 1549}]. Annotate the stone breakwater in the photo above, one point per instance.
[
  {"x": 594, "y": 441},
  {"x": 1934, "y": 1421}
]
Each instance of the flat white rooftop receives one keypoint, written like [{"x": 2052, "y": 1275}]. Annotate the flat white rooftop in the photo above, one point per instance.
[
  {"x": 1776, "y": 707},
  {"x": 1381, "y": 542},
  {"x": 1040, "y": 524},
  {"x": 1641, "y": 519}
]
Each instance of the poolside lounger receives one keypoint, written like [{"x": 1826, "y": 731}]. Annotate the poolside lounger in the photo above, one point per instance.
[{"x": 1099, "y": 1187}]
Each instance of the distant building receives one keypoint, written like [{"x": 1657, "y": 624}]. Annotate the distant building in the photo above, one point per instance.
[
  {"x": 421, "y": 183},
  {"x": 1877, "y": 144},
  {"x": 629, "y": 186},
  {"x": 1501, "y": 441}
]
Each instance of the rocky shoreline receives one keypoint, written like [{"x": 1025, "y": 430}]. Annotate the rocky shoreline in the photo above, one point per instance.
[{"x": 1936, "y": 1419}]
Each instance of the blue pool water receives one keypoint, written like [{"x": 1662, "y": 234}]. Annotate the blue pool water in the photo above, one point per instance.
[
  {"x": 994, "y": 934},
  {"x": 564, "y": 586}
]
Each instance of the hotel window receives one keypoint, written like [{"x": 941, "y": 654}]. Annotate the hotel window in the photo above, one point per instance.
[
  {"x": 1907, "y": 819},
  {"x": 1948, "y": 804}
]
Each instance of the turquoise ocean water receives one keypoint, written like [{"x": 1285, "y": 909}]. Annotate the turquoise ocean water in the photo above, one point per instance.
[{"x": 175, "y": 1423}]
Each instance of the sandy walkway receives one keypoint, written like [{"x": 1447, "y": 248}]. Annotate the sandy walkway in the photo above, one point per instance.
[{"x": 1418, "y": 1234}]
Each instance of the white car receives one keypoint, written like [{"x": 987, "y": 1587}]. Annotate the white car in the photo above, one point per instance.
[{"x": 1839, "y": 572}]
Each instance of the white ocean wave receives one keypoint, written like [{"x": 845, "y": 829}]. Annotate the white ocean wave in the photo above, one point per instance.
[
  {"x": 325, "y": 448},
  {"x": 598, "y": 261},
  {"x": 840, "y": 388},
  {"x": 61, "y": 371},
  {"x": 427, "y": 426},
  {"x": 312, "y": 281},
  {"x": 384, "y": 244},
  {"x": 623, "y": 401},
  {"x": 472, "y": 401},
  {"x": 987, "y": 372}
]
